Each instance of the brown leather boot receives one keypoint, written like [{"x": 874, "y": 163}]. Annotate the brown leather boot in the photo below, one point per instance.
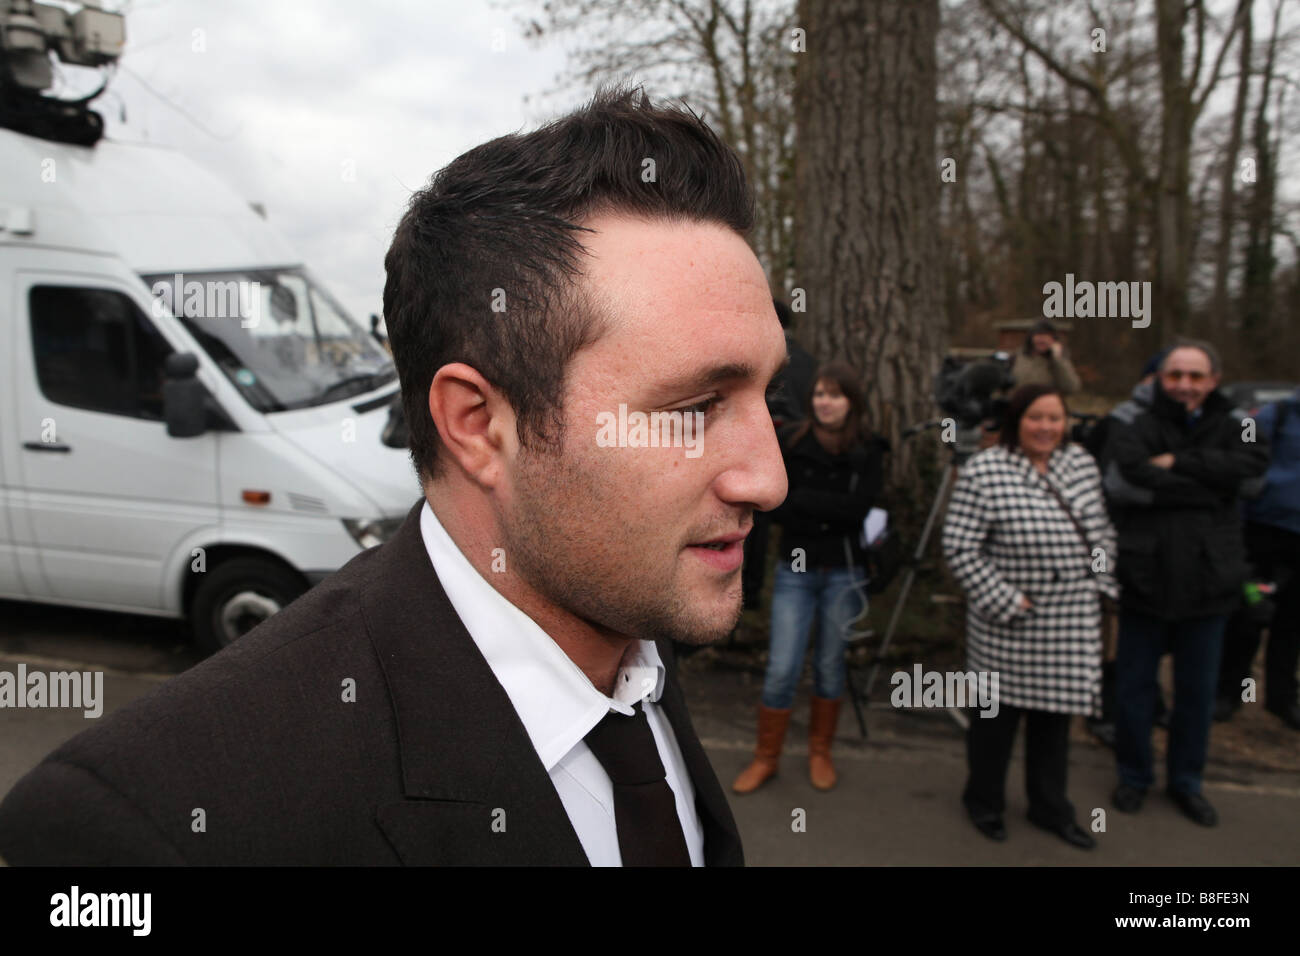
[
  {"x": 821, "y": 730},
  {"x": 771, "y": 735}
]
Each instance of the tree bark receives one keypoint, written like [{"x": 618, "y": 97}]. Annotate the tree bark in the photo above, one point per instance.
[
  {"x": 1228, "y": 182},
  {"x": 1257, "y": 282},
  {"x": 1174, "y": 199},
  {"x": 867, "y": 184}
]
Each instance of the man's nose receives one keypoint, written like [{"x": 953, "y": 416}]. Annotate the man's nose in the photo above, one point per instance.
[{"x": 757, "y": 473}]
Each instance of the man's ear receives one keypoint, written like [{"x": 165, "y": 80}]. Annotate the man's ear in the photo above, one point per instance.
[{"x": 475, "y": 422}]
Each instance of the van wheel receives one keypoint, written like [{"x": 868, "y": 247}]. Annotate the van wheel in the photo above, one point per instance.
[{"x": 239, "y": 595}]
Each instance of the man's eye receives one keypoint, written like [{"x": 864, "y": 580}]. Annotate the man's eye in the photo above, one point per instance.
[{"x": 702, "y": 407}]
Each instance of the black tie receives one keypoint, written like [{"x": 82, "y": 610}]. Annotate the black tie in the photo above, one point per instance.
[{"x": 645, "y": 811}]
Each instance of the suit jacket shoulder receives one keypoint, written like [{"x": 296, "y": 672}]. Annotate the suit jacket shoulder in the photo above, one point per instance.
[{"x": 236, "y": 760}]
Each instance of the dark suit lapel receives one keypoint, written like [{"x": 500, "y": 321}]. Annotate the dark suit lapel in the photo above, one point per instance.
[
  {"x": 721, "y": 838},
  {"x": 475, "y": 790}
]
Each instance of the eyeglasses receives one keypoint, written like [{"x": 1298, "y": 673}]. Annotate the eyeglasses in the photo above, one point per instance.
[{"x": 1174, "y": 375}]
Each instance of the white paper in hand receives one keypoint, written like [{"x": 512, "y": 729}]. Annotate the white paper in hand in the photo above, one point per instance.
[{"x": 874, "y": 526}]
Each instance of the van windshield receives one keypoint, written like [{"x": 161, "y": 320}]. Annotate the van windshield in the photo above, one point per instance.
[{"x": 276, "y": 334}]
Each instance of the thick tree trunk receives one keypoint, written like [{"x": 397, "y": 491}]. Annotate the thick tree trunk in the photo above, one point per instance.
[{"x": 867, "y": 182}]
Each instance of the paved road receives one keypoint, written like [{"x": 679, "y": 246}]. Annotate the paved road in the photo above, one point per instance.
[
  {"x": 135, "y": 653},
  {"x": 897, "y": 802}
]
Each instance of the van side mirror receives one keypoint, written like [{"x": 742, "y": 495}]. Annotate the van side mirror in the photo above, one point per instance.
[
  {"x": 396, "y": 434},
  {"x": 184, "y": 397}
]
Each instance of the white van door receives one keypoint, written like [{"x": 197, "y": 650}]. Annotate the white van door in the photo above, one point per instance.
[
  {"x": 109, "y": 494},
  {"x": 12, "y": 553}
]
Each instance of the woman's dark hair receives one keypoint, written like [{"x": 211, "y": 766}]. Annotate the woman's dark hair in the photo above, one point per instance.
[
  {"x": 1041, "y": 327},
  {"x": 845, "y": 377},
  {"x": 485, "y": 266},
  {"x": 1018, "y": 404}
]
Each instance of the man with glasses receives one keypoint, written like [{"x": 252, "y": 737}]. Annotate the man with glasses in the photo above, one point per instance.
[{"x": 1174, "y": 473}]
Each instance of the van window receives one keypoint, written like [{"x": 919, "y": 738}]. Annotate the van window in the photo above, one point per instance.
[
  {"x": 276, "y": 335},
  {"x": 96, "y": 350}
]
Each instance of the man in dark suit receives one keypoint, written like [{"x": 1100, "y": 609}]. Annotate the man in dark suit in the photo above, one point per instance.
[{"x": 494, "y": 684}]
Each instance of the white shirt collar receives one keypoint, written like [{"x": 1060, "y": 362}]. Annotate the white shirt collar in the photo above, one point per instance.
[{"x": 555, "y": 700}]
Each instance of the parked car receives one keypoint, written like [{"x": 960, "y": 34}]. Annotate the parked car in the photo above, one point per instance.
[{"x": 1251, "y": 396}]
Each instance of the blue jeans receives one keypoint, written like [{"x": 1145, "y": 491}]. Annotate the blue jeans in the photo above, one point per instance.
[
  {"x": 796, "y": 597},
  {"x": 1196, "y": 645}
]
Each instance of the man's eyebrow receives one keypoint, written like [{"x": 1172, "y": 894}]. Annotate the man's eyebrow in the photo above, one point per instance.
[{"x": 716, "y": 375}]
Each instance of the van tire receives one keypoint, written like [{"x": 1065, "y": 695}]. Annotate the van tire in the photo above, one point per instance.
[{"x": 238, "y": 595}]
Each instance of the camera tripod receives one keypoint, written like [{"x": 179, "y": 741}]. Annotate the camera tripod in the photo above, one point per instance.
[{"x": 967, "y": 442}]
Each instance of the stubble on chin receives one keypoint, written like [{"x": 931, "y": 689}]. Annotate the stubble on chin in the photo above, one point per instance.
[
  {"x": 565, "y": 539},
  {"x": 703, "y": 634}
]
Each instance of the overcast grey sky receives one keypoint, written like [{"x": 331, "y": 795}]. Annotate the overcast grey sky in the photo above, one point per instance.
[
  {"x": 286, "y": 96},
  {"x": 283, "y": 97}
]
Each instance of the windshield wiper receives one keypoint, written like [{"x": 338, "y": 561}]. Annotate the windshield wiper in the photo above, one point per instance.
[{"x": 366, "y": 381}]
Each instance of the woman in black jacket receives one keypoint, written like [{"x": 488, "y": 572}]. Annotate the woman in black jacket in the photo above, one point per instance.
[{"x": 834, "y": 466}]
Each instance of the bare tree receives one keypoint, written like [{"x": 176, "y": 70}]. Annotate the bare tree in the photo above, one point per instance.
[
  {"x": 1228, "y": 178},
  {"x": 1184, "y": 95},
  {"x": 1087, "y": 138},
  {"x": 726, "y": 58},
  {"x": 1257, "y": 283}
]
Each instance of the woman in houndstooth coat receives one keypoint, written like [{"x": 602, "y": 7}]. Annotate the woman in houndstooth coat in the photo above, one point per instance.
[{"x": 1028, "y": 538}]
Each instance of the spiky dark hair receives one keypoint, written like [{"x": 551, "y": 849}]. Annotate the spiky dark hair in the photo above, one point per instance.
[{"x": 499, "y": 227}]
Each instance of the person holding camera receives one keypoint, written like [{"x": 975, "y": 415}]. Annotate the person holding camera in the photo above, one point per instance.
[
  {"x": 1028, "y": 538},
  {"x": 835, "y": 468},
  {"x": 1042, "y": 361}
]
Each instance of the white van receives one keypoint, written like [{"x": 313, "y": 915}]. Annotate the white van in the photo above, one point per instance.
[{"x": 190, "y": 426}]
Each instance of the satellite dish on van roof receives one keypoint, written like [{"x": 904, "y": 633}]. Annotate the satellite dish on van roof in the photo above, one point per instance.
[{"x": 29, "y": 33}]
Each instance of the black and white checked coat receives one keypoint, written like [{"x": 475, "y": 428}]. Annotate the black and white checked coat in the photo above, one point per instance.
[{"x": 1006, "y": 536}]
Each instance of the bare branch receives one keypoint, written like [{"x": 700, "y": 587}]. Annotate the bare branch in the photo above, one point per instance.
[
  {"x": 1198, "y": 102},
  {"x": 1050, "y": 61}
]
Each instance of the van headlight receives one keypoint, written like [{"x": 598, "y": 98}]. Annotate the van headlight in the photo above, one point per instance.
[{"x": 368, "y": 532}]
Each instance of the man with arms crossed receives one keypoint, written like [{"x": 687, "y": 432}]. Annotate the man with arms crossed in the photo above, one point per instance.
[
  {"x": 516, "y": 699},
  {"x": 1175, "y": 470}
]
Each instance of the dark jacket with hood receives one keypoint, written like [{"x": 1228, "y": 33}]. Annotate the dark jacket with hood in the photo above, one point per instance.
[
  {"x": 829, "y": 497},
  {"x": 1181, "y": 554}
]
